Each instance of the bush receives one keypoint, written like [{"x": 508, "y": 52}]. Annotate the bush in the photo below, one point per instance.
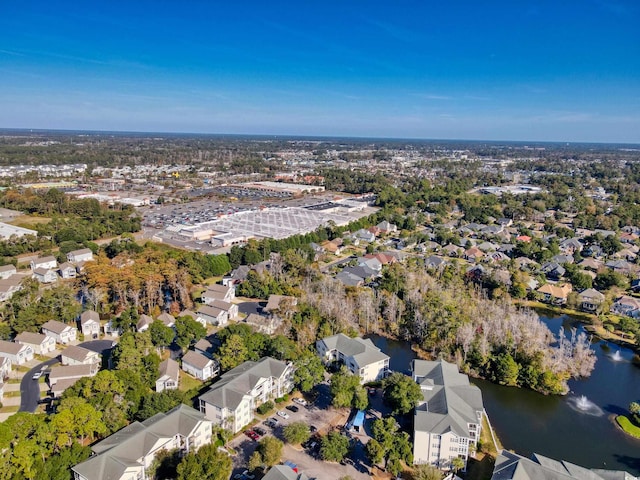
[
  {"x": 628, "y": 426},
  {"x": 266, "y": 407}
]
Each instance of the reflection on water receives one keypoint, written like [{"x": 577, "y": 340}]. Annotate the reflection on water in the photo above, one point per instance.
[{"x": 555, "y": 426}]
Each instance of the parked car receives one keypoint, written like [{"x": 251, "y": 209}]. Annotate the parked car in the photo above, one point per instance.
[
  {"x": 260, "y": 431},
  {"x": 301, "y": 401},
  {"x": 292, "y": 408},
  {"x": 37, "y": 375},
  {"x": 282, "y": 413},
  {"x": 272, "y": 422},
  {"x": 313, "y": 429}
]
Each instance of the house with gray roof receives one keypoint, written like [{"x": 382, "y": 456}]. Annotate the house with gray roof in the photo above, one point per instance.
[
  {"x": 511, "y": 466},
  {"x": 360, "y": 356},
  {"x": 201, "y": 367},
  {"x": 41, "y": 344},
  {"x": 90, "y": 324},
  {"x": 62, "y": 332},
  {"x": 82, "y": 255},
  {"x": 284, "y": 472},
  {"x": 17, "y": 353},
  {"x": 448, "y": 420},
  {"x": 169, "y": 371},
  {"x": 75, "y": 355},
  {"x": 232, "y": 400},
  {"x": 129, "y": 453}
]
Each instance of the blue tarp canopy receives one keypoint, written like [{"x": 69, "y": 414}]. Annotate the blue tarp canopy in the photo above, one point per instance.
[{"x": 359, "y": 420}]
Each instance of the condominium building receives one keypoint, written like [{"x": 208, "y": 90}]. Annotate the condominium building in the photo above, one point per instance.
[
  {"x": 232, "y": 400},
  {"x": 360, "y": 356},
  {"x": 448, "y": 421}
]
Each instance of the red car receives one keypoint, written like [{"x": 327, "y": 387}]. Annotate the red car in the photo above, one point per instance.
[{"x": 254, "y": 435}]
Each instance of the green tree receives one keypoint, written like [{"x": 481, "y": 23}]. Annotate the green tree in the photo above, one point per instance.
[
  {"x": 188, "y": 331},
  {"x": 161, "y": 335},
  {"x": 296, "y": 432},
  {"x": 426, "y": 472},
  {"x": 207, "y": 463},
  {"x": 375, "y": 451},
  {"x": 457, "y": 464},
  {"x": 232, "y": 352},
  {"x": 346, "y": 390},
  {"x": 401, "y": 392},
  {"x": 270, "y": 450},
  {"x": 334, "y": 447},
  {"x": 506, "y": 370}
]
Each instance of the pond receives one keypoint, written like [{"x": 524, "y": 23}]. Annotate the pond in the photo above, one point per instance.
[{"x": 564, "y": 428}]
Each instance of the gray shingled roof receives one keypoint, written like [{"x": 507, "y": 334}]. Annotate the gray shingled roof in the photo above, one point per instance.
[
  {"x": 283, "y": 472},
  {"x": 511, "y": 466},
  {"x": 125, "y": 447},
  {"x": 77, "y": 353},
  {"x": 363, "y": 351},
  {"x": 55, "y": 326},
  {"x": 451, "y": 402},
  {"x": 196, "y": 359},
  {"x": 31, "y": 338},
  {"x": 238, "y": 382}
]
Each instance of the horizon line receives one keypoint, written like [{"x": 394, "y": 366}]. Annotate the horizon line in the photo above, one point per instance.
[{"x": 300, "y": 136}]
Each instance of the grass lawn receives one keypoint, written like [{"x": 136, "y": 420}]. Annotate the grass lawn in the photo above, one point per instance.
[
  {"x": 12, "y": 394},
  {"x": 10, "y": 409},
  {"x": 212, "y": 280},
  {"x": 22, "y": 368},
  {"x": 14, "y": 381},
  {"x": 187, "y": 382},
  {"x": 628, "y": 426},
  {"x": 28, "y": 220}
]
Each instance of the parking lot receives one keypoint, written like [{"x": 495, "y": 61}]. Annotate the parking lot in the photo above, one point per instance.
[{"x": 322, "y": 417}]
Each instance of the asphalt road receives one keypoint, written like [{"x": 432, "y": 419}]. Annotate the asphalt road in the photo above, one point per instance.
[{"x": 30, "y": 388}]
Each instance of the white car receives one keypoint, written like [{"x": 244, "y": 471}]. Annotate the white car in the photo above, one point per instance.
[
  {"x": 37, "y": 375},
  {"x": 300, "y": 401},
  {"x": 282, "y": 414}
]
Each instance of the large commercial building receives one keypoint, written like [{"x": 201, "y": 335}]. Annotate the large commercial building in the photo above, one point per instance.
[{"x": 448, "y": 421}]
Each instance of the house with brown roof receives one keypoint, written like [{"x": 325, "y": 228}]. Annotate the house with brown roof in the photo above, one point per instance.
[
  {"x": 473, "y": 254},
  {"x": 556, "y": 294},
  {"x": 273, "y": 304},
  {"x": 590, "y": 299},
  {"x": 41, "y": 344}
]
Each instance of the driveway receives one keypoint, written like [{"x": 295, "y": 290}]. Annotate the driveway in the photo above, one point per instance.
[
  {"x": 30, "y": 388},
  {"x": 251, "y": 307}
]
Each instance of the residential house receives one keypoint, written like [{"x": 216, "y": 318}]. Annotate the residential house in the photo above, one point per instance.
[
  {"x": 49, "y": 263},
  {"x": 75, "y": 355},
  {"x": 237, "y": 276},
  {"x": 556, "y": 294},
  {"x": 473, "y": 254},
  {"x": 260, "y": 323},
  {"x": 451, "y": 250},
  {"x": 5, "y": 368},
  {"x": 9, "y": 286},
  {"x": 111, "y": 329},
  {"x": 284, "y": 472},
  {"x": 621, "y": 266},
  {"x": 624, "y": 305},
  {"x": 41, "y": 344},
  {"x": 590, "y": 299},
  {"x": 365, "y": 235},
  {"x": 360, "y": 356},
  {"x": 628, "y": 237},
  {"x": 448, "y": 420},
  {"x": 199, "y": 366},
  {"x": 16, "y": 353},
  {"x": 511, "y": 466},
  {"x": 169, "y": 375},
  {"x": 571, "y": 246},
  {"x": 333, "y": 246},
  {"x": 61, "y": 332},
  {"x": 372, "y": 262},
  {"x": 82, "y": 255},
  {"x": 230, "y": 308},
  {"x": 362, "y": 271},
  {"x": 67, "y": 271},
  {"x": 561, "y": 259},
  {"x": 231, "y": 401},
  {"x": 553, "y": 270},
  {"x": 218, "y": 292},
  {"x": 386, "y": 227},
  {"x": 129, "y": 453},
  {"x": 434, "y": 262},
  {"x": 525, "y": 263},
  {"x": 205, "y": 347},
  {"x": 62, "y": 377},
  {"x": 45, "y": 275},
  {"x": 275, "y": 303},
  {"x": 591, "y": 263},
  {"x": 212, "y": 315},
  {"x": 167, "y": 319},
  {"x": 143, "y": 323},
  {"x": 90, "y": 324},
  {"x": 6, "y": 271},
  {"x": 349, "y": 279}
]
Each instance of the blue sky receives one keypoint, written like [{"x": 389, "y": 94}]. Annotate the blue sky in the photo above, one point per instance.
[{"x": 502, "y": 70}]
